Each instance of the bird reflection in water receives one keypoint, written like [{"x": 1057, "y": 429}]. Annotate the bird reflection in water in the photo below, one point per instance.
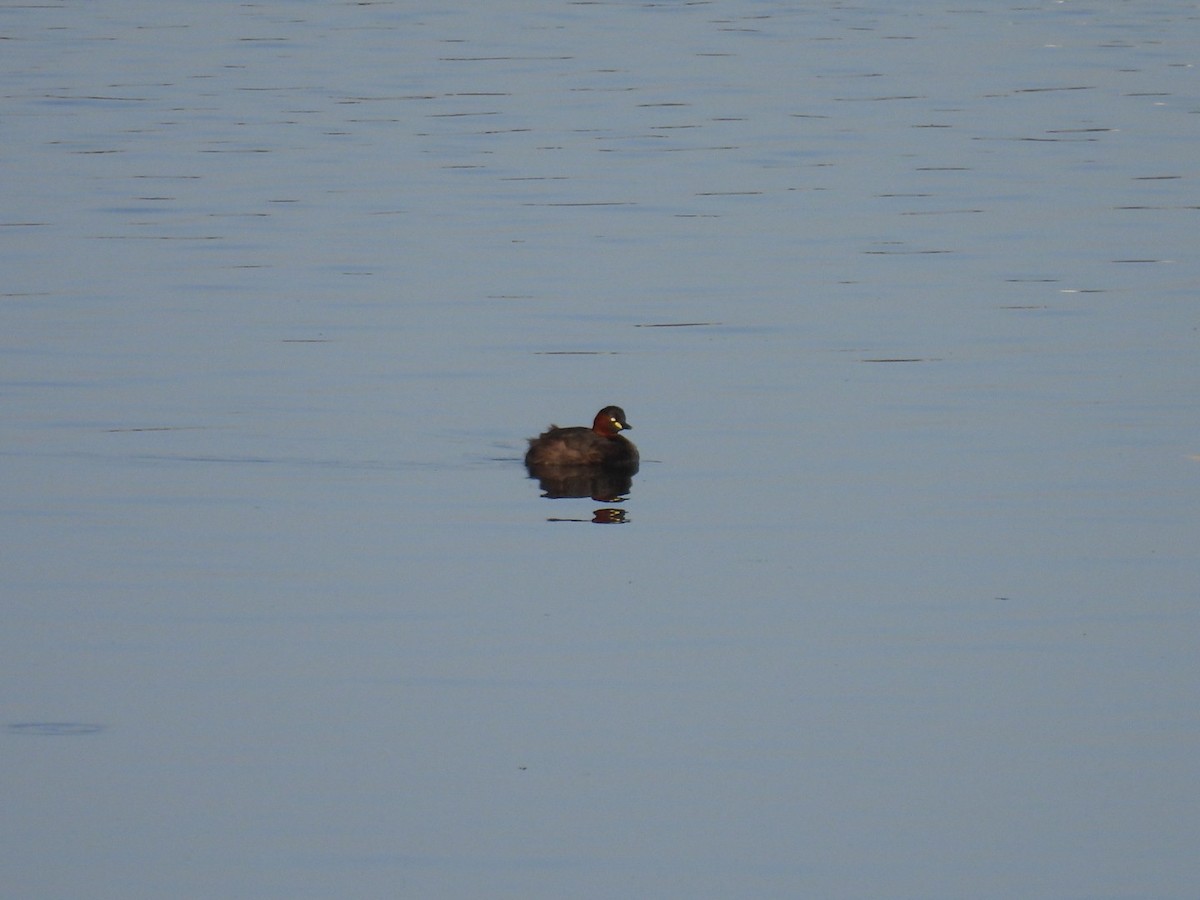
[
  {"x": 605, "y": 516},
  {"x": 602, "y": 485},
  {"x": 561, "y": 482}
]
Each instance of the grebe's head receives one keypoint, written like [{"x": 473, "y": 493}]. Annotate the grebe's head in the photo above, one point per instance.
[{"x": 610, "y": 421}]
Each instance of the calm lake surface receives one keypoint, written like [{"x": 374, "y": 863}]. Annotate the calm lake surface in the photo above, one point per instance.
[{"x": 900, "y": 299}]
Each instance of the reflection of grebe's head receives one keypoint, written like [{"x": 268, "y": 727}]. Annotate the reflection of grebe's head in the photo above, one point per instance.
[{"x": 609, "y": 421}]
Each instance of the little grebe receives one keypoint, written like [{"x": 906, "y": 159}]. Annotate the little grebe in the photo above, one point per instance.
[{"x": 600, "y": 446}]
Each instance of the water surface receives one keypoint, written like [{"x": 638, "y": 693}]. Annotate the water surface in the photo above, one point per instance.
[{"x": 901, "y": 302}]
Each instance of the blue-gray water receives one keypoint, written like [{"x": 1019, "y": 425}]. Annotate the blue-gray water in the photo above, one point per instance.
[{"x": 900, "y": 299}]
